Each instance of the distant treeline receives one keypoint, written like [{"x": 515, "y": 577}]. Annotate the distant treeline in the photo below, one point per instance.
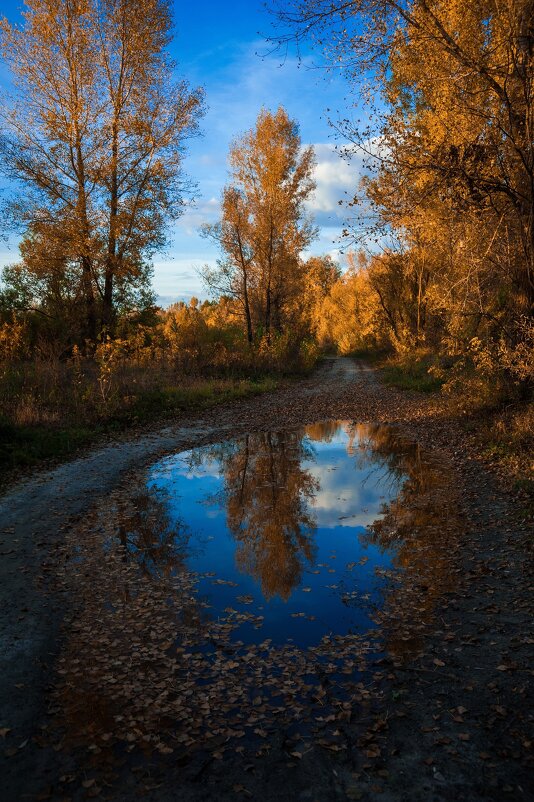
[{"x": 441, "y": 235}]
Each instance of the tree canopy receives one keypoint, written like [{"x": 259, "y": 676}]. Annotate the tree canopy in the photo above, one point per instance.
[
  {"x": 264, "y": 226},
  {"x": 95, "y": 134}
]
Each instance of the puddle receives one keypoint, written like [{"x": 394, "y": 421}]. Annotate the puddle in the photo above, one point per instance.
[
  {"x": 276, "y": 526},
  {"x": 251, "y": 587}
]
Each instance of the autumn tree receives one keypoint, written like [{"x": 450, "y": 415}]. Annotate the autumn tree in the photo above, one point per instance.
[
  {"x": 263, "y": 227},
  {"x": 234, "y": 276},
  {"x": 456, "y": 185},
  {"x": 348, "y": 317},
  {"x": 454, "y": 137},
  {"x": 186, "y": 330},
  {"x": 320, "y": 275},
  {"x": 95, "y": 135}
]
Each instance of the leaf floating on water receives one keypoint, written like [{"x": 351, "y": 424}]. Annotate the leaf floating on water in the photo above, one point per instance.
[
  {"x": 332, "y": 747},
  {"x": 240, "y": 789}
]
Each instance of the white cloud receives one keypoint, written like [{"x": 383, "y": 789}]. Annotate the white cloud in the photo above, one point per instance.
[
  {"x": 179, "y": 278},
  {"x": 336, "y": 181},
  {"x": 196, "y": 214}
]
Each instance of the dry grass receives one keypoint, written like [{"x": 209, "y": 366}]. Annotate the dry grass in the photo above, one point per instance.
[
  {"x": 49, "y": 408},
  {"x": 508, "y": 440}
]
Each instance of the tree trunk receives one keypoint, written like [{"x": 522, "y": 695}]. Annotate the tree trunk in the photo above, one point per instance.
[
  {"x": 246, "y": 300},
  {"x": 89, "y": 300},
  {"x": 111, "y": 260},
  {"x": 250, "y": 336},
  {"x": 85, "y": 258},
  {"x": 268, "y": 311}
]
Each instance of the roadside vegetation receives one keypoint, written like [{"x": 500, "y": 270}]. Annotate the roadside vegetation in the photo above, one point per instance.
[
  {"x": 503, "y": 423},
  {"x": 438, "y": 282},
  {"x": 413, "y": 373},
  {"x": 62, "y": 409},
  {"x": 175, "y": 362}
]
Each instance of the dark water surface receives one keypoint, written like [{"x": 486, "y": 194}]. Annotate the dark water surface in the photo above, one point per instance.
[{"x": 276, "y": 524}]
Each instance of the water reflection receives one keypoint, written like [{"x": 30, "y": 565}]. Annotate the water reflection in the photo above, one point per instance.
[
  {"x": 423, "y": 523},
  {"x": 146, "y": 531},
  {"x": 230, "y": 592},
  {"x": 267, "y": 491},
  {"x": 276, "y": 521}
]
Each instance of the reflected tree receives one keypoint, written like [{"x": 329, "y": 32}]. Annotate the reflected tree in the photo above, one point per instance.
[
  {"x": 267, "y": 491},
  {"x": 323, "y": 432},
  {"x": 423, "y": 524},
  {"x": 147, "y": 532}
]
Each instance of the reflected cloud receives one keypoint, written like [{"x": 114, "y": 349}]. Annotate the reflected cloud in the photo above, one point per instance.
[{"x": 278, "y": 491}]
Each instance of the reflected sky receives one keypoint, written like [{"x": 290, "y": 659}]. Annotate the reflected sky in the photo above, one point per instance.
[{"x": 276, "y": 526}]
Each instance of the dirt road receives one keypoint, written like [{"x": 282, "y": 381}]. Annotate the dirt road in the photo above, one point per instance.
[{"x": 446, "y": 714}]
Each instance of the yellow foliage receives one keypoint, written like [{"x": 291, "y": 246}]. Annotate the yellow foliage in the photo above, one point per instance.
[
  {"x": 347, "y": 317},
  {"x": 13, "y": 341}
]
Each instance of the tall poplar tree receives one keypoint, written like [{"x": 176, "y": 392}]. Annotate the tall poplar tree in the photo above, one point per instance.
[
  {"x": 95, "y": 134},
  {"x": 264, "y": 226}
]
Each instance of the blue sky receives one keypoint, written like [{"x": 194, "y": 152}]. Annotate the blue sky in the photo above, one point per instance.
[{"x": 220, "y": 46}]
